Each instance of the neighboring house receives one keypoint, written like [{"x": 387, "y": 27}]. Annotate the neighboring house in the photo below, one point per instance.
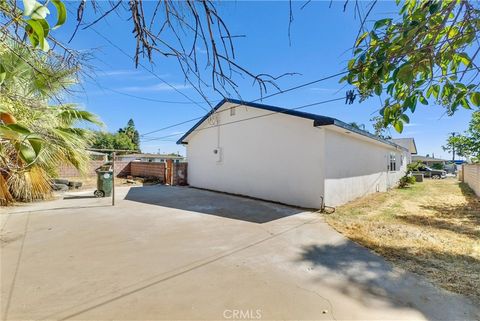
[
  {"x": 429, "y": 161},
  {"x": 97, "y": 155},
  {"x": 150, "y": 158},
  {"x": 408, "y": 143},
  {"x": 288, "y": 156}
]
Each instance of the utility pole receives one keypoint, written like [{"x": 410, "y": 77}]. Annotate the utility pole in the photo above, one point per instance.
[
  {"x": 452, "y": 134},
  {"x": 113, "y": 178}
]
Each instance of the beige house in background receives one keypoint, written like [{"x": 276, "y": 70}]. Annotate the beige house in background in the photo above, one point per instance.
[
  {"x": 289, "y": 156},
  {"x": 429, "y": 161}
]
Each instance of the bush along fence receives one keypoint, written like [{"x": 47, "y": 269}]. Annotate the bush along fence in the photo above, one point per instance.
[
  {"x": 470, "y": 174},
  {"x": 171, "y": 174}
]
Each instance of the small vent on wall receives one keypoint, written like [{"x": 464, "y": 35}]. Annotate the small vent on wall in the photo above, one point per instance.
[{"x": 232, "y": 111}]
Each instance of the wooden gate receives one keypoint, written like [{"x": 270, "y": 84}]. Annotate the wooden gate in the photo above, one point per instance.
[{"x": 169, "y": 172}]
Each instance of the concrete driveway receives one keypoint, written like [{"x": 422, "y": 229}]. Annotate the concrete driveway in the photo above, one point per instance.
[{"x": 182, "y": 253}]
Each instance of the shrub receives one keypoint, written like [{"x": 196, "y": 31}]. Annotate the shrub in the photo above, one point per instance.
[
  {"x": 406, "y": 181},
  {"x": 439, "y": 166}
]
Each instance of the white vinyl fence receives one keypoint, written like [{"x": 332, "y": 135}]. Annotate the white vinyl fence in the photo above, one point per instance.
[{"x": 471, "y": 176}]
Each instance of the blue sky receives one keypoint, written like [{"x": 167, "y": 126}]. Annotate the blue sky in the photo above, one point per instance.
[{"x": 320, "y": 42}]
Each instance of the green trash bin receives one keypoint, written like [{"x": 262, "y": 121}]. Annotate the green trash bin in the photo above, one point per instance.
[{"x": 104, "y": 181}]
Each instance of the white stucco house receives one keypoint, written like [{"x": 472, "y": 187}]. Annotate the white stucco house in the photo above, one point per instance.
[{"x": 288, "y": 156}]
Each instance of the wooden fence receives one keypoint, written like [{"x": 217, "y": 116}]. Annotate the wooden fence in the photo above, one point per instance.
[{"x": 178, "y": 174}]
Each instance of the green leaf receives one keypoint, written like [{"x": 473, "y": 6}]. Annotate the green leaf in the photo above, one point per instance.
[
  {"x": 36, "y": 33},
  {"x": 351, "y": 63},
  {"x": 14, "y": 132},
  {"x": 405, "y": 118},
  {"x": 381, "y": 23},
  {"x": 45, "y": 26},
  {"x": 361, "y": 38},
  {"x": 61, "y": 13},
  {"x": 3, "y": 74},
  {"x": 26, "y": 152},
  {"x": 465, "y": 103},
  {"x": 423, "y": 100},
  {"x": 36, "y": 144},
  {"x": 429, "y": 91},
  {"x": 463, "y": 58},
  {"x": 36, "y": 28},
  {"x": 378, "y": 89},
  {"x": 436, "y": 90},
  {"x": 434, "y": 7},
  {"x": 405, "y": 74},
  {"x": 44, "y": 45},
  {"x": 398, "y": 125},
  {"x": 475, "y": 98}
]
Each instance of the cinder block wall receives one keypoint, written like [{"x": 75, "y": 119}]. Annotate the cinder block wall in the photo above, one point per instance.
[
  {"x": 471, "y": 176},
  {"x": 121, "y": 168}
]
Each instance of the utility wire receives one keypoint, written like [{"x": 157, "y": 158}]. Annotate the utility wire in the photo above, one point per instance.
[
  {"x": 147, "y": 139},
  {"x": 148, "y": 70},
  {"x": 147, "y": 98},
  {"x": 258, "y": 99},
  {"x": 284, "y": 110}
]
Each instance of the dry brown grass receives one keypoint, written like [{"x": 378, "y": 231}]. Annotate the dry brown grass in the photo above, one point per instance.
[{"x": 431, "y": 228}]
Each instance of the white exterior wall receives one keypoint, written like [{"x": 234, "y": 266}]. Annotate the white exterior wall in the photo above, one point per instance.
[
  {"x": 284, "y": 158},
  {"x": 277, "y": 158},
  {"x": 356, "y": 166}
]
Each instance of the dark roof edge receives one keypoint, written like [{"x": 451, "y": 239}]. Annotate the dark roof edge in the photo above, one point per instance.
[
  {"x": 350, "y": 128},
  {"x": 318, "y": 120},
  {"x": 180, "y": 140}
]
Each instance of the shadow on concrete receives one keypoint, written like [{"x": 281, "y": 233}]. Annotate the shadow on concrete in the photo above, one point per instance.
[
  {"x": 367, "y": 277},
  {"x": 211, "y": 203},
  {"x": 78, "y": 197}
]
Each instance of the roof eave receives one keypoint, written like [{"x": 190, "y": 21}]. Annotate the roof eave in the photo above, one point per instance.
[{"x": 350, "y": 128}]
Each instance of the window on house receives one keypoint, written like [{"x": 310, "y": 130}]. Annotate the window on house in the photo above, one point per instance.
[
  {"x": 232, "y": 111},
  {"x": 393, "y": 162}
]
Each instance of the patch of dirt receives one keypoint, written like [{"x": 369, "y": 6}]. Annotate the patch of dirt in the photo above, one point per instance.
[
  {"x": 432, "y": 229},
  {"x": 91, "y": 182}
]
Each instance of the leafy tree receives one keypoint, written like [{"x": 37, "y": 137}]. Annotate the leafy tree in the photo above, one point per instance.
[
  {"x": 425, "y": 56},
  {"x": 468, "y": 144},
  {"x": 105, "y": 140},
  {"x": 457, "y": 145},
  {"x": 379, "y": 127},
  {"x": 132, "y": 133}
]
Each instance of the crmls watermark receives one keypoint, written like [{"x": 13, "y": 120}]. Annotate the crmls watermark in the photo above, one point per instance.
[{"x": 242, "y": 314}]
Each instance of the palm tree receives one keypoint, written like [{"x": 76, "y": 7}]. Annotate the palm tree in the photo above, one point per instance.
[{"x": 35, "y": 136}]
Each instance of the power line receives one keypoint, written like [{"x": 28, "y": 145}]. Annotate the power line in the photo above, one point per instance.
[
  {"x": 148, "y": 98},
  {"x": 160, "y": 138},
  {"x": 258, "y": 99},
  {"x": 284, "y": 110},
  {"x": 148, "y": 70}
]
